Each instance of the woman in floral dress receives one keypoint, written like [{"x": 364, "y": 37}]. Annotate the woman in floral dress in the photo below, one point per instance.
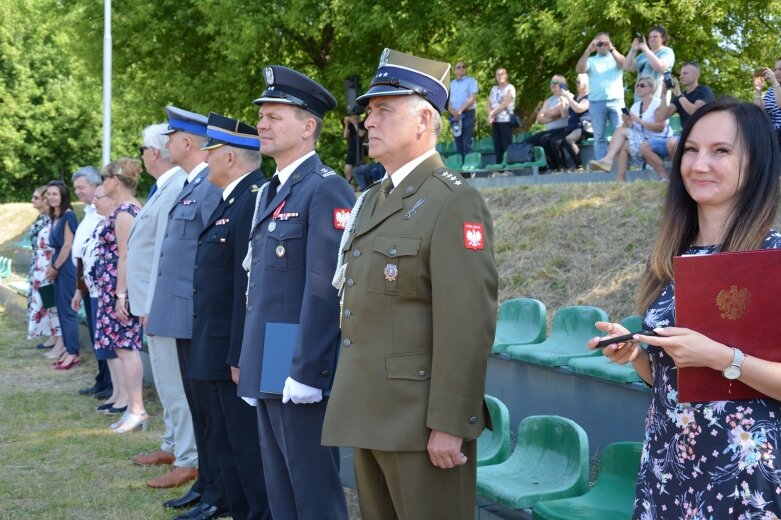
[
  {"x": 40, "y": 320},
  {"x": 115, "y": 328},
  {"x": 713, "y": 460}
]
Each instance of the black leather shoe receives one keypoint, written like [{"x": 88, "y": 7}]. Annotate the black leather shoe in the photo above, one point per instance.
[
  {"x": 41, "y": 346},
  {"x": 202, "y": 512},
  {"x": 103, "y": 394},
  {"x": 90, "y": 390},
  {"x": 189, "y": 499}
]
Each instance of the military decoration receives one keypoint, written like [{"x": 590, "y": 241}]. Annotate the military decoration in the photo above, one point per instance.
[
  {"x": 280, "y": 251},
  {"x": 474, "y": 237},
  {"x": 187, "y": 202},
  {"x": 341, "y": 215},
  {"x": 272, "y": 226},
  {"x": 222, "y": 221},
  {"x": 391, "y": 272}
]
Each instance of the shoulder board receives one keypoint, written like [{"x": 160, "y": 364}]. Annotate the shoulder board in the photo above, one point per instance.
[
  {"x": 450, "y": 178},
  {"x": 325, "y": 171}
]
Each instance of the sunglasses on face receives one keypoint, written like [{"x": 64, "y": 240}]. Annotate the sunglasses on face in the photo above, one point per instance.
[
  {"x": 642, "y": 85},
  {"x": 460, "y": 66}
]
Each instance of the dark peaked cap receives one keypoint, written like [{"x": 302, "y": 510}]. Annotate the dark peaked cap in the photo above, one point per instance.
[
  {"x": 224, "y": 130},
  {"x": 288, "y": 86}
]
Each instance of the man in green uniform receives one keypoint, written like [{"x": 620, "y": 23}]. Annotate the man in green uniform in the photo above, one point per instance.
[{"x": 419, "y": 285}]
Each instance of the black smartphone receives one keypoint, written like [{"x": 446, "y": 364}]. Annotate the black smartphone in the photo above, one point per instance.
[
  {"x": 627, "y": 337},
  {"x": 625, "y": 111}
]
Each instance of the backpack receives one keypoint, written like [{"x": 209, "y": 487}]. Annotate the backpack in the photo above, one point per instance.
[{"x": 520, "y": 153}]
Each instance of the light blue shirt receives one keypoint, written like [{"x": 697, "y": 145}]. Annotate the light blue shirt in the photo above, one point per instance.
[
  {"x": 460, "y": 90},
  {"x": 605, "y": 78},
  {"x": 644, "y": 68}
]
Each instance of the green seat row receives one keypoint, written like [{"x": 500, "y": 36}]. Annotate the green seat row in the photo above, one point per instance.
[
  {"x": 493, "y": 446},
  {"x": 550, "y": 461},
  {"x": 539, "y": 161},
  {"x": 5, "y": 266}
]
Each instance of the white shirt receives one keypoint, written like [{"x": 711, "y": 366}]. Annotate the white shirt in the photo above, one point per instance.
[
  {"x": 160, "y": 182},
  {"x": 230, "y": 187},
  {"x": 198, "y": 169},
  {"x": 398, "y": 176},
  {"x": 84, "y": 230},
  {"x": 286, "y": 172}
]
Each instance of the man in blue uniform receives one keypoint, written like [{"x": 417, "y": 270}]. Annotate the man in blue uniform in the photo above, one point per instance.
[
  {"x": 171, "y": 314},
  {"x": 291, "y": 332},
  {"x": 219, "y": 287}
]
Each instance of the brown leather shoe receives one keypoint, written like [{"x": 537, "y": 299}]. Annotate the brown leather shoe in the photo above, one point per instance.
[
  {"x": 157, "y": 458},
  {"x": 176, "y": 477}
]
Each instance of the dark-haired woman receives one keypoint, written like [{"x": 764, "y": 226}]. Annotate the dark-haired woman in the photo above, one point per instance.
[
  {"x": 62, "y": 271},
  {"x": 652, "y": 58},
  {"x": 719, "y": 459}
]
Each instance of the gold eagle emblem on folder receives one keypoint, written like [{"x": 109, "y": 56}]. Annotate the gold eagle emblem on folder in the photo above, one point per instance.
[{"x": 733, "y": 303}]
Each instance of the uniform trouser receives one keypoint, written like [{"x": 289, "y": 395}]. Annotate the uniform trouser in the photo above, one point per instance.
[
  {"x": 238, "y": 447},
  {"x": 406, "y": 486},
  {"x": 302, "y": 476},
  {"x": 178, "y": 438},
  {"x": 209, "y": 484}
]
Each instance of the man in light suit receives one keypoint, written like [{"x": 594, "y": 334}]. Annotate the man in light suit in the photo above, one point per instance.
[
  {"x": 419, "y": 288},
  {"x": 171, "y": 314},
  {"x": 144, "y": 245},
  {"x": 219, "y": 292},
  {"x": 296, "y": 229}
]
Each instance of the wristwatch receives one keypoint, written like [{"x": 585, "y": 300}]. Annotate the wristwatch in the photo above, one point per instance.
[{"x": 733, "y": 371}]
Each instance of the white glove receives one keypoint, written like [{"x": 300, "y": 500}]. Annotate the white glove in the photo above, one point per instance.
[{"x": 300, "y": 393}]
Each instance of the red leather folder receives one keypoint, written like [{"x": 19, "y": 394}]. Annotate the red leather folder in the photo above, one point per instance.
[{"x": 735, "y": 299}]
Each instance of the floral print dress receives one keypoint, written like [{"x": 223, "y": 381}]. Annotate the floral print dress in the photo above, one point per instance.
[
  {"x": 110, "y": 332},
  {"x": 40, "y": 320},
  {"x": 703, "y": 461}
]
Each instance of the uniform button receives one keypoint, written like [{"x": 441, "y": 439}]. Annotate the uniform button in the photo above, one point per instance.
[
  {"x": 195, "y": 315},
  {"x": 357, "y": 253},
  {"x": 252, "y": 285},
  {"x": 250, "y": 308},
  {"x": 347, "y": 313},
  {"x": 161, "y": 254},
  {"x": 165, "y": 236},
  {"x": 159, "y": 273},
  {"x": 200, "y": 242},
  {"x": 422, "y": 373},
  {"x": 393, "y": 252},
  {"x": 346, "y": 342},
  {"x": 196, "y": 266},
  {"x": 254, "y": 260},
  {"x": 350, "y": 282},
  {"x": 325, "y": 373},
  {"x": 472, "y": 420},
  {"x": 195, "y": 291}
]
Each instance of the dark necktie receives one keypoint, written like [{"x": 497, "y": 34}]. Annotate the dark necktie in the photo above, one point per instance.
[
  {"x": 186, "y": 182},
  {"x": 385, "y": 189},
  {"x": 271, "y": 191},
  {"x": 152, "y": 191}
]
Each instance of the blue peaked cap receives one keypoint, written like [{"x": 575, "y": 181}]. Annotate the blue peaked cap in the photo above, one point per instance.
[{"x": 185, "y": 121}]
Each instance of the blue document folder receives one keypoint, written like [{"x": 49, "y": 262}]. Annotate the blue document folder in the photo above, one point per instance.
[{"x": 279, "y": 347}]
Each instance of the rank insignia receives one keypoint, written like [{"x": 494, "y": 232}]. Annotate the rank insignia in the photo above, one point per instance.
[
  {"x": 474, "y": 238},
  {"x": 287, "y": 216},
  {"x": 341, "y": 215},
  {"x": 280, "y": 251},
  {"x": 391, "y": 272},
  {"x": 231, "y": 201},
  {"x": 254, "y": 188},
  {"x": 272, "y": 226},
  {"x": 222, "y": 221},
  {"x": 222, "y": 240},
  {"x": 187, "y": 202}
]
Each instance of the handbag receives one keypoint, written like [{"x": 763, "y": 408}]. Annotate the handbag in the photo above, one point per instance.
[
  {"x": 515, "y": 121},
  {"x": 48, "y": 295},
  {"x": 520, "y": 153}
]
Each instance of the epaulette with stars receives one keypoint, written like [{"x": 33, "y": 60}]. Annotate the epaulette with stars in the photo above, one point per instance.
[{"x": 450, "y": 178}]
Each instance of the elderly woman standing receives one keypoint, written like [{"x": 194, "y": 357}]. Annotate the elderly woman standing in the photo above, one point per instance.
[
  {"x": 714, "y": 459},
  {"x": 116, "y": 329},
  {"x": 41, "y": 321},
  {"x": 501, "y": 108},
  {"x": 62, "y": 271}
]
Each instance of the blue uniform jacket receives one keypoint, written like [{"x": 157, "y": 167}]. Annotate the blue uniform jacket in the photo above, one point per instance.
[{"x": 293, "y": 262}]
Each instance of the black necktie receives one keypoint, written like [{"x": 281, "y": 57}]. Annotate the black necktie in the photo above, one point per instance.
[
  {"x": 271, "y": 191},
  {"x": 186, "y": 182}
]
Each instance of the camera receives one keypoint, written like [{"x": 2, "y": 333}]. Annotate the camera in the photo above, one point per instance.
[
  {"x": 668, "y": 79},
  {"x": 601, "y": 44},
  {"x": 640, "y": 37}
]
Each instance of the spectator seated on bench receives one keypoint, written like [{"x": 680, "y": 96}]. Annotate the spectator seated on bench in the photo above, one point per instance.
[
  {"x": 572, "y": 328},
  {"x": 493, "y": 446},
  {"x": 551, "y": 460},
  {"x": 521, "y": 321},
  {"x": 613, "y": 494}
]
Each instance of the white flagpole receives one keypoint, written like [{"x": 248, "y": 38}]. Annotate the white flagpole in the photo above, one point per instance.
[{"x": 106, "y": 82}]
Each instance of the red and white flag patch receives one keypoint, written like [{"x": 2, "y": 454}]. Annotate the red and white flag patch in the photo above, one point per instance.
[
  {"x": 340, "y": 217},
  {"x": 474, "y": 238}
]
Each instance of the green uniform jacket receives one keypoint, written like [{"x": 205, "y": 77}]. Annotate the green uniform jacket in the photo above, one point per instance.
[{"x": 418, "y": 317}]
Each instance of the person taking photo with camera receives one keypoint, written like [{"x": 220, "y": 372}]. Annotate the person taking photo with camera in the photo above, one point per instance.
[{"x": 652, "y": 58}]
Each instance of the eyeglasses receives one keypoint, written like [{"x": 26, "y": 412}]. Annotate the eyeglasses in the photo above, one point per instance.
[
  {"x": 460, "y": 66},
  {"x": 141, "y": 149},
  {"x": 642, "y": 85}
]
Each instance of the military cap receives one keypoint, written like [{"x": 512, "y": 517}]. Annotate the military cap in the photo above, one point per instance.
[
  {"x": 185, "y": 121},
  {"x": 402, "y": 74},
  {"x": 284, "y": 85},
  {"x": 232, "y": 132}
]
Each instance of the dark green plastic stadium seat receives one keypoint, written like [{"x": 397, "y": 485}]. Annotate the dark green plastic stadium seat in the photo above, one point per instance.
[
  {"x": 454, "y": 162},
  {"x": 550, "y": 461},
  {"x": 611, "y": 498},
  {"x": 521, "y": 321},
  {"x": 571, "y": 330},
  {"x": 493, "y": 446}
]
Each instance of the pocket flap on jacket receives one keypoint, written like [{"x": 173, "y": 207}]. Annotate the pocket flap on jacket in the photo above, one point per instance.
[
  {"x": 409, "y": 366},
  {"x": 396, "y": 246}
]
